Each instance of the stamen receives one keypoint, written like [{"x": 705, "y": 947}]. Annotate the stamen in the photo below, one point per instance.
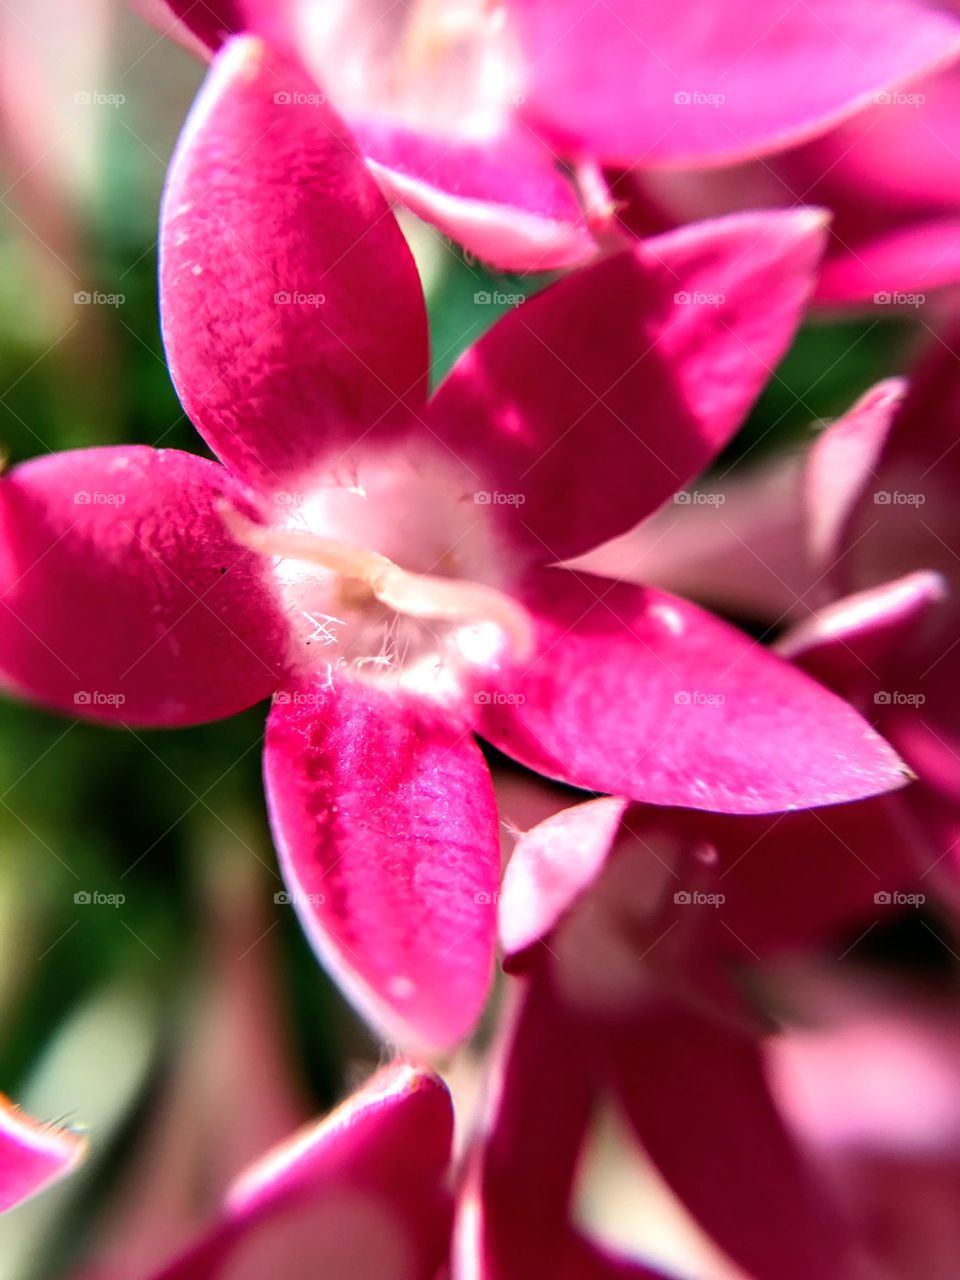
[{"x": 416, "y": 595}]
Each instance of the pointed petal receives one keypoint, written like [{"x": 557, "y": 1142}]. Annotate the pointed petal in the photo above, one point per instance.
[
  {"x": 854, "y": 644},
  {"x": 505, "y": 200},
  {"x": 637, "y": 693},
  {"x": 742, "y": 1178},
  {"x": 292, "y": 311},
  {"x": 551, "y": 866},
  {"x": 32, "y": 1155},
  {"x": 592, "y": 403},
  {"x": 840, "y": 466},
  {"x": 385, "y": 821},
  {"x": 359, "y": 1193},
  {"x": 124, "y": 597},
  {"x": 900, "y": 269},
  {"x": 705, "y": 83}
]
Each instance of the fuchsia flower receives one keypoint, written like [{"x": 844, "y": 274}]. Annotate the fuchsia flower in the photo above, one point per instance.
[
  {"x": 869, "y": 1082},
  {"x": 889, "y": 174},
  {"x": 381, "y": 562},
  {"x": 32, "y": 1155},
  {"x": 610, "y": 915},
  {"x": 466, "y": 110}
]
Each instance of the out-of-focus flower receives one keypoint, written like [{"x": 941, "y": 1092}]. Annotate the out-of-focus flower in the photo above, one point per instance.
[
  {"x": 889, "y": 174},
  {"x": 869, "y": 1082},
  {"x": 466, "y": 109},
  {"x": 627, "y": 926},
  {"x": 32, "y": 1155},
  {"x": 379, "y": 562}
]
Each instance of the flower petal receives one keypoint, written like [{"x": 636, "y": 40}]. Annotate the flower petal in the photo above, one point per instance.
[
  {"x": 385, "y": 821},
  {"x": 841, "y": 464},
  {"x": 359, "y": 1193},
  {"x": 589, "y": 405},
  {"x": 292, "y": 311},
  {"x": 124, "y": 597},
  {"x": 551, "y": 866},
  {"x": 853, "y": 644},
  {"x": 742, "y": 1178},
  {"x": 504, "y": 199},
  {"x": 32, "y": 1155},
  {"x": 637, "y": 693},
  {"x": 707, "y": 82}
]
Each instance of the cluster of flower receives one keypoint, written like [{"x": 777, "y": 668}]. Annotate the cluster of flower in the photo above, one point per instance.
[{"x": 753, "y": 799}]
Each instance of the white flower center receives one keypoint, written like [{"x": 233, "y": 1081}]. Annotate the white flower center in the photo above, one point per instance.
[{"x": 434, "y": 629}]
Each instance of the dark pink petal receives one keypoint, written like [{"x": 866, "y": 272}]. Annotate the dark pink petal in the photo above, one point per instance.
[
  {"x": 514, "y": 1212},
  {"x": 123, "y": 595},
  {"x": 505, "y": 200},
  {"x": 697, "y": 1097},
  {"x": 637, "y": 693},
  {"x": 899, "y": 269},
  {"x": 32, "y": 1155},
  {"x": 385, "y": 821},
  {"x": 592, "y": 403},
  {"x": 841, "y": 465},
  {"x": 704, "y": 82},
  {"x": 798, "y": 880},
  {"x": 360, "y": 1193},
  {"x": 292, "y": 312},
  {"x": 202, "y": 26},
  {"x": 854, "y": 644}
]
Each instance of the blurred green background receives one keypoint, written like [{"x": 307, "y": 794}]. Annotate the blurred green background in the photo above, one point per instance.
[{"x": 160, "y": 817}]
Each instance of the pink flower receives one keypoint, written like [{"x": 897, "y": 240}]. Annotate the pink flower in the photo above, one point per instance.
[
  {"x": 381, "y": 561},
  {"x": 889, "y": 175},
  {"x": 32, "y": 1155},
  {"x": 613, "y": 917},
  {"x": 463, "y": 110}
]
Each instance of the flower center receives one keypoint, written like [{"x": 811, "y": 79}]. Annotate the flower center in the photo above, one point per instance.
[{"x": 418, "y": 630}]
